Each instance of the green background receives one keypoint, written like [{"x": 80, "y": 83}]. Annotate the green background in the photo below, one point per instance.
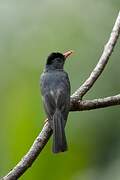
[{"x": 29, "y": 31}]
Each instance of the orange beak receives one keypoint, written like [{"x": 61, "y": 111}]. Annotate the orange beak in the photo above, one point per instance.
[{"x": 68, "y": 53}]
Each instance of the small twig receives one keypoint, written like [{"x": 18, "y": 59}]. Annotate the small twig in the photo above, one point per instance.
[
  {"x": 76, "y": 104},
  {"x": 101, "y": 63},
  {"x": 95, "y": 103}
]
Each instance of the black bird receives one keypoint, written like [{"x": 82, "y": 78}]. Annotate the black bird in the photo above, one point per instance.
[{"x": 55, "y": 89}]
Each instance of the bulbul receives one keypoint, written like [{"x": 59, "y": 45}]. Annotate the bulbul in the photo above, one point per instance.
[{"x": 55, "y": 89}]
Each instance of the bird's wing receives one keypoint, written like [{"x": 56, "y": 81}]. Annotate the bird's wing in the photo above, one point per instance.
[
  {"x": 56, "y": 94},
  {"x": 48, "y": 100},
  {"x": 49, "y": 105},
  {"x": 63, "y": 95}
]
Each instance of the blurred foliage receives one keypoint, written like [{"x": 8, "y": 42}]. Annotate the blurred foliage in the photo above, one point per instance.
[{"x": 29, "y": 31}]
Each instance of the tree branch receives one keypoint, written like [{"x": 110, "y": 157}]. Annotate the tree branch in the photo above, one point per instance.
[
  {"x": 83, "y": 105},
  {"x": 31, "y": 155},
  {"x": 76, "y": 104},
  {"x": 108, "y": 49}
]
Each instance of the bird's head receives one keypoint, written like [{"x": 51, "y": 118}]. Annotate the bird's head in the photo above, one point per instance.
[{"x": 56, "y": 60}]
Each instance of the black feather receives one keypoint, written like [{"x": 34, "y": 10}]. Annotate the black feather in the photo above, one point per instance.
[
  {"x": 55, "y": 88},
  {"x": 59, "y": 139}
]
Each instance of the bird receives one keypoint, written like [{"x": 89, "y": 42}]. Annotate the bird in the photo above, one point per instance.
[{"x": 55, "y": 91}]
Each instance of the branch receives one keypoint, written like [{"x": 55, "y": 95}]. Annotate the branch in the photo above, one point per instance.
[
  {"x": 76, "y": 104},
  {"x": 101, "y": 63},
  {"x": 31, "y": 155},
  {"x": 95, "y": 103},
  {"x": 46, "y": 132}
]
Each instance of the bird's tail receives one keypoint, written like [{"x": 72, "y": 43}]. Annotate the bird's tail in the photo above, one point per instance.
[{"x": 59, "y": 139}]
